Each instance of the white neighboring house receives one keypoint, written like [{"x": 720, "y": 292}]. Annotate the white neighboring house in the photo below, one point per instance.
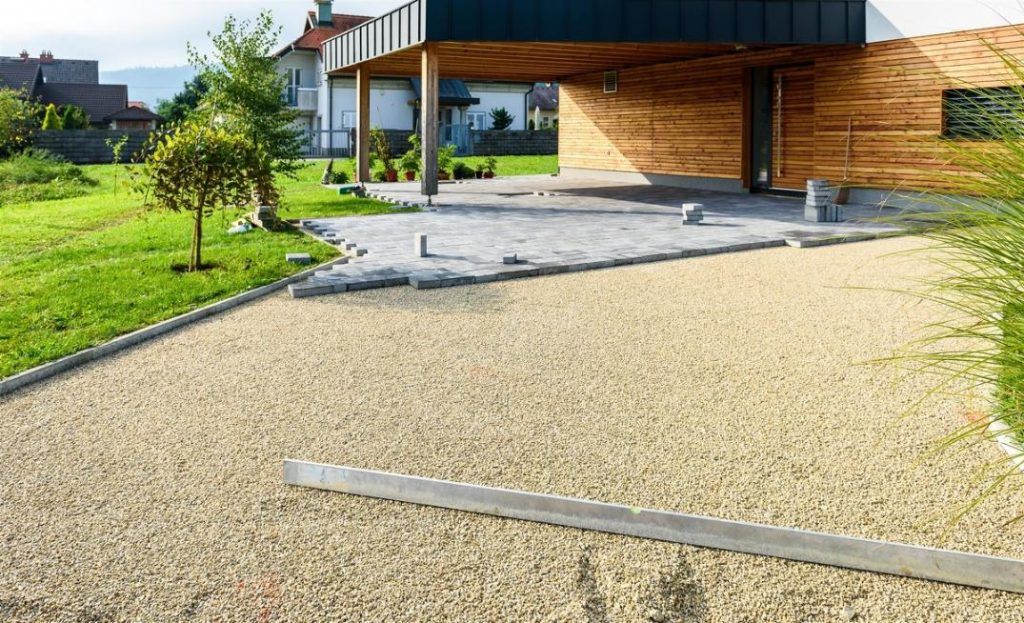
[{"x": 327, "y": 105}]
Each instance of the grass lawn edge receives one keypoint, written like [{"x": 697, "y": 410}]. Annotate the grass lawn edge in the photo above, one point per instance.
[{"x": 47, "y": 370}]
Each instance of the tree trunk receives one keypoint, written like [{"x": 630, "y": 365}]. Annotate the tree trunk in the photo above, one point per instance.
[{"x": 196, "y": 257}]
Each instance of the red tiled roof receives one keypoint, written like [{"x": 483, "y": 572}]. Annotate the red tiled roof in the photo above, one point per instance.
[
  {"x": 134, "y": 113},
  {"x": 315, "y": 34}
]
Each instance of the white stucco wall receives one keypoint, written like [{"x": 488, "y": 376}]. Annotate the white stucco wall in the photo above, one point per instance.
[
  {"x": 306, "y": 61},
  {"x": 898, "y": 19},
  {"x": 511, "y": 97},
  {"x": 389, "y": 103}
]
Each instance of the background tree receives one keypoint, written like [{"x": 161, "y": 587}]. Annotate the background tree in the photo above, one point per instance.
[
  {"x": 501, "y": 119},
  {"x": 246, "y": 92},
  {"x": 18, "y": 118},
  {"x": 73, "y": 118},
  {"x": 199, "y": 169},
  {"x": 176, "y": 109},
  {"x": 51, "y": 121}
]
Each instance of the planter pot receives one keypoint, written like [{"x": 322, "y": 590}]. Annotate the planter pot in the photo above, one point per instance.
[
  {"x": 479, "y": 175},
  {"x": 410, "y": 176},
  {"x": 443, "y": 176},
  {"x": 488, "y": 175},
  {"x": 391, "y": 176}
]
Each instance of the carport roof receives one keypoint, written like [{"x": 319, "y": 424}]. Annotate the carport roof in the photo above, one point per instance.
[{"x": 548, "y": 39}]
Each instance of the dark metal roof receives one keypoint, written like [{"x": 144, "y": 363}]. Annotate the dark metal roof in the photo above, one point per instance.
[
  {"x": 98, "y": 100},
  {"x": 544, "y": 97},
  {"x": 450, "y": 92},
  {"x": 22, "y": 75},
  {"x": 741, "y": 22}
]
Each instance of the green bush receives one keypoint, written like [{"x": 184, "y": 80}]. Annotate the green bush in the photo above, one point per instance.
[
  {"x": 51, "y": 121},
  {"x": 339, "y": 177},
  {"x": 977, "y": 239},
  {"x": 18, "y": 118},
  {"x": 462, "y": 171},
  {"x": 38, "y": 175}
]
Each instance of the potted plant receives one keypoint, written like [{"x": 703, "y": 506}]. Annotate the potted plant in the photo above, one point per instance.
[
  {"x": 462, "y": 171},
  {"x": 479, "y": 172},
  {"x": 490, "y": 166},
  {"x": 382, "y": 149},
  {"x": 445, "y": 156},
  {"x": 410, "y": 160},
  {"x": 409, "y": 163}
]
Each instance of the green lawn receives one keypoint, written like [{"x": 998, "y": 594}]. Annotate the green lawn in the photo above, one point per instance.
[{"x": 78, "y": 272}]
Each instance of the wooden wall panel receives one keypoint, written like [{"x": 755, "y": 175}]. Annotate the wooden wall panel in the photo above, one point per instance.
[{"x": 687, "y": 118}]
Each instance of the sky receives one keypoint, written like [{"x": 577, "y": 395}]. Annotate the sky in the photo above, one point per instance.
[{"x": 142, "y": 33}]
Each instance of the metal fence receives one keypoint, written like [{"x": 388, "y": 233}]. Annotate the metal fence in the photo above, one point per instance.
[{"x": 329, "y": 144}]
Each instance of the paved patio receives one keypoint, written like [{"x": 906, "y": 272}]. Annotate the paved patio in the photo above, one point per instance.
[{"x": 555, "y": 225}]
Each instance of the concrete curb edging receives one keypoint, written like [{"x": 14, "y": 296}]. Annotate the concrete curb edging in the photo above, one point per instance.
[
  {"x": 47, "y": 370},
  {"x": 1000, "y": 433}
]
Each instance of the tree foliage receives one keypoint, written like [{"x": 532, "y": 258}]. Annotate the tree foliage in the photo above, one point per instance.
[
  {"x": 198, "y": 168},
  {"x": 18, "y": 118},
  {"x": 73, "y": 118},
  {"x": 179, "y": 107},
  {"x": 501, "y": 119},
  {"x": 51, "y": 121},
  {"x": 246, "y": 92}
]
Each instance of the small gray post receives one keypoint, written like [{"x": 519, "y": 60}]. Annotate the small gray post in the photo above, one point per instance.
[{"x": 420, "y": 245}]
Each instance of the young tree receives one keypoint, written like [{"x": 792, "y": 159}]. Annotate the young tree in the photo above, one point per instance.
[
  {"x": 246, "y": 93},
  {"x": 73, "y": 118},
  {"x": 52, "y": 119},
  {"x": 184, "y": 102},
  {"x": 501, "y": 119},
  {"x": 198, "y": 168},
  {"x": 18, "y": 117}
]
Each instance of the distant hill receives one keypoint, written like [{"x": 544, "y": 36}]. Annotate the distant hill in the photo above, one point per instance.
[{"x": 150, "y": 84}]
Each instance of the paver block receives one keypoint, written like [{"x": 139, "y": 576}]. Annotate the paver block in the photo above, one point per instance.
[
  {"x": 419, "y": 245},
  {"x": 360, "y": 252},
  {"x": 372, "y": 284},
  {"x": 511, "y": 258},
  {"x": 303, "y": 259},
  {"x": 303, "y": 290}
]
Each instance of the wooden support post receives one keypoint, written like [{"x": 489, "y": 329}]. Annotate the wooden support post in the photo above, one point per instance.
[
  {"x": 363, "y": 125},
  {"x": 428, "y": 118}
]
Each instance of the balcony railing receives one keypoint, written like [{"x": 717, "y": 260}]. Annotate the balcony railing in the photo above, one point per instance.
[{"x": 304, "y": 99}]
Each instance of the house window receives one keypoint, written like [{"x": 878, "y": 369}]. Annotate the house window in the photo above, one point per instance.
[
  {"x": 294, "y": 81},
  {"x": 981, "y": 114},
  {"x": 611, "y": 82},
  {"x": 477, "y": 120},
  {"x": 348, "y": 119}
]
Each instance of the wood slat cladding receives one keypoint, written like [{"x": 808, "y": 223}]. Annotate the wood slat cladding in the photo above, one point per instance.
[
  {"x": 540, "y": 62},
  {"x": 687, "y": 118},
  {"x": 793, "y": 126}
]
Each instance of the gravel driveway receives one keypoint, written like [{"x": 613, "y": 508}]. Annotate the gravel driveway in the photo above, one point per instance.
[{"x": 147, "y": 487}]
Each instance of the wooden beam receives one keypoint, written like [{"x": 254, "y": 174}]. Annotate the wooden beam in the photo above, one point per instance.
[
  {"x": 428, "y": 117},
  {"x": 363, "y": 125},
  {"x": 911, "y": 561}
]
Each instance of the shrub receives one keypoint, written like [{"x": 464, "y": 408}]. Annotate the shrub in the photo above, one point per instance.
[
  {"x": 18, "y": 118},
  {"x": 978, "y": 241},
  {"x": 381, "y": 147},
  {"x": 491, "y": 164},
  {"x": 51, "y": 121},
  {"x": 501, "y": 119},
  {"x": 339, "y": 177},
  {"x": 38, "y": 175},
  {"x": 462, "y": 171},
  {"x": 410, "y": 160},
  {"x": 73, "y": 118}
]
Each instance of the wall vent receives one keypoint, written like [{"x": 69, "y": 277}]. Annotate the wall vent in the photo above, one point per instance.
[{"x": 611, "y": 82}]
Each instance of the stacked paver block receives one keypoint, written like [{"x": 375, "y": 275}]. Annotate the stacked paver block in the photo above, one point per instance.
[
  {"x": 693, "y": 213},
  {"x": 819, "y": 207}
]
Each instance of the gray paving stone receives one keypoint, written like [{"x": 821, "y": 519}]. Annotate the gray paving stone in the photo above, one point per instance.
[
  {"x": 303, "y": 259},
  {"x": 576, "y": 225}
]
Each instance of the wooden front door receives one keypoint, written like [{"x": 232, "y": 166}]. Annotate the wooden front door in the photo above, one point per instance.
[{"x": 792, "y": 159}]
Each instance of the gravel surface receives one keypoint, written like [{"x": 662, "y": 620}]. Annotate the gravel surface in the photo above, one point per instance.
[{"x": 147, "y": 487}]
